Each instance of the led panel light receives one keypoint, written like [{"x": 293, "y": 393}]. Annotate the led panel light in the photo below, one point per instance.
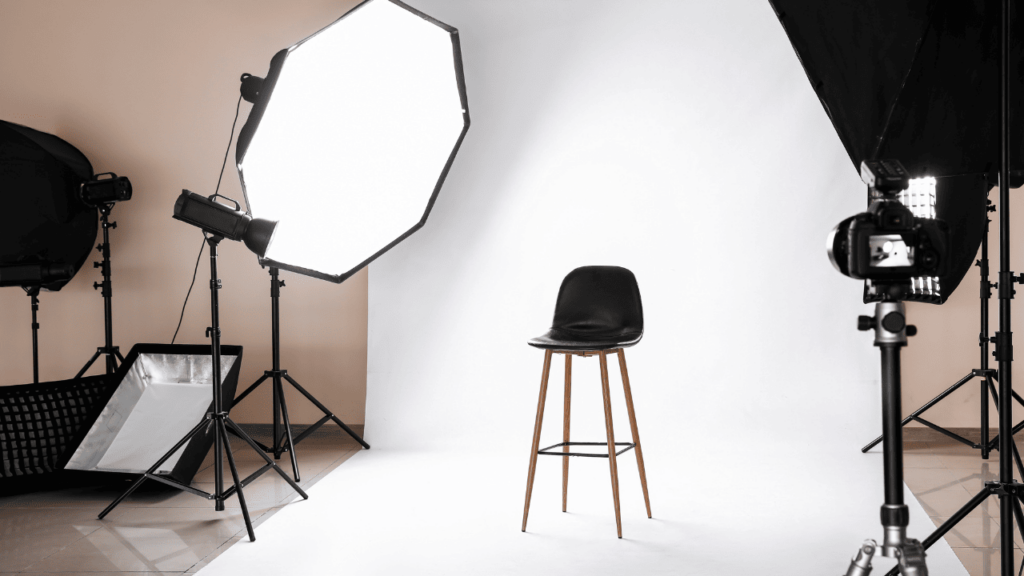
[
  {"x": 920, "y": 198},
  {"x": 351, "y": 136}
]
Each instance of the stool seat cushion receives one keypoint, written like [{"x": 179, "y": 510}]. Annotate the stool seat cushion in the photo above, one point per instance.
[
  {"x": 598, "y": 308},
  {"x": 556, "y": 339}
]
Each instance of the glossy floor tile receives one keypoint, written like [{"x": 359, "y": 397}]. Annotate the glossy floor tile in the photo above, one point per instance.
[
  {"x": 944, "y": 475},
  {"x": 156, "y": 530}
]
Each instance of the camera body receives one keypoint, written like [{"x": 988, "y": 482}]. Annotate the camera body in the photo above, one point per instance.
[
  {"x": 888, "y": 246},
  {"x": 100, "y": 191},
  {"x": 887, "y": 243}
]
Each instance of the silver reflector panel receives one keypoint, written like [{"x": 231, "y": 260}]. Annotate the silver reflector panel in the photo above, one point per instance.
[{"x": 159, "y": 400}]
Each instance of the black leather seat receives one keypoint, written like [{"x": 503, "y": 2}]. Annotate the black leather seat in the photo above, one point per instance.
[
  {"x": 597, "y": 313},
  {"x": 598, "y": 308}
]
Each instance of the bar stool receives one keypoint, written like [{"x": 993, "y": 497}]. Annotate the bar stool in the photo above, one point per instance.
[{"x": 598, "y": 312}]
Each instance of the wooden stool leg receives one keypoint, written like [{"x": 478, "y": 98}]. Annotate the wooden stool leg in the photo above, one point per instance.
[
  {"x": 536, "y": 434},
  {"x": 611, "y": 441},
  {"x": 565, "y": 430},
  {"x": 632, "y": 425}
]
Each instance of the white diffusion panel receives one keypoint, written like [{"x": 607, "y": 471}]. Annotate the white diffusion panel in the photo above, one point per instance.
[{"x": 357, "y": 132}]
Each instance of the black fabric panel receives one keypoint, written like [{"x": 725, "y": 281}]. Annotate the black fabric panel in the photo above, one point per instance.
[
  {"x": 916, "y": 81},
  {"x": 41, "y": 424},
  {"x": 43, "y": 221}
]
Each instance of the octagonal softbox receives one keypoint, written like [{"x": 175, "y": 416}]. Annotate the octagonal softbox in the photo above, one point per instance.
[{"x": 351, "y": 136}]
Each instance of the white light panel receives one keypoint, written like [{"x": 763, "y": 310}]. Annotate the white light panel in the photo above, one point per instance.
[
  {"x": 920, "y": 198},
  {"x": 358, "y": 130}
]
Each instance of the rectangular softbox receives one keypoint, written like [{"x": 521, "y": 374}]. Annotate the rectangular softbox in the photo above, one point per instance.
[{"x": 162, "y": 391}]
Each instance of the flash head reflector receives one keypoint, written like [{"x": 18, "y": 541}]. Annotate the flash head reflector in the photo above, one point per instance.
[
  {"x": 99, "y": 191},
  {"x": 231, "y": 223}
]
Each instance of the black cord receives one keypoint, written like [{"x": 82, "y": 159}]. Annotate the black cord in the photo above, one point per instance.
[
  {"x": 194, "y": 272},
  {"x": 238, "y": 106}
]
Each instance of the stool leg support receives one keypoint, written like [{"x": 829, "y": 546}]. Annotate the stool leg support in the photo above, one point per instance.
[
  {"x": 632, "y": 425},
  {"x": 536, "y": 434},
  {"x": 611, "y": 441},
  {"x": 565, "y": 430}
]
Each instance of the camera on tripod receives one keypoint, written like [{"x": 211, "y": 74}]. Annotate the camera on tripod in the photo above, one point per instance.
[{"x": 888, "y": 245}]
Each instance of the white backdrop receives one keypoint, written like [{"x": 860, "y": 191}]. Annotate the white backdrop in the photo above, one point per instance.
[{"x": 680, "y": 140}]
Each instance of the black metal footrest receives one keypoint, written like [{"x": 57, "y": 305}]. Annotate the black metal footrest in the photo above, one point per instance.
[{"x": 545, "y": 451}]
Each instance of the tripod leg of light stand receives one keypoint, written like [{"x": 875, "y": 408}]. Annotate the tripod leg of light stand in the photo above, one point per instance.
[
  {"x": 1016, "y": 458},
  {"x": 249, "y": 390},
  {"x": 87, "y": 365},
  {"x": 238, "y": 432},
  {"x": 242, "y": 396},
  {"x": 149, "y": 473},
  {"x": 329, "y": 414},
  {"x": 238, "y": 485},
  {"x": 1013, "y": 431},
  {"x": 287, "y": 430},
  {"x": 922, "y": 409}
]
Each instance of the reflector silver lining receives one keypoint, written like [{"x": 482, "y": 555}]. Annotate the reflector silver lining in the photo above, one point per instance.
[{"x": 160, "y": 399}]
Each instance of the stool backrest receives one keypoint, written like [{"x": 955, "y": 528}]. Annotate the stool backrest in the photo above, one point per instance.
[{"x": 599, "y": 299}]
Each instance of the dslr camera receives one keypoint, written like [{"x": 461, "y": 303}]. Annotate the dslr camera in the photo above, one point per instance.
[{"x": 888, "y": 245}]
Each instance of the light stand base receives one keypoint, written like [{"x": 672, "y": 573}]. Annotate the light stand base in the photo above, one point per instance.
[
  {"x": 222, "y": 424},
  {"x": 285, "y": 442},
  {"x": 112, "y": 353},
  {"x": 218, "y": 418}
]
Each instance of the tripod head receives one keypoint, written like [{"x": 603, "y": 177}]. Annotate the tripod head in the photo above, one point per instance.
[{"x": 889, "y": 324}]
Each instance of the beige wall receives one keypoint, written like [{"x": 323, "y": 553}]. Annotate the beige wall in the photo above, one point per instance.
[
  {"x": 946, "y": 346},
  {"x": 148, "y": 90}
]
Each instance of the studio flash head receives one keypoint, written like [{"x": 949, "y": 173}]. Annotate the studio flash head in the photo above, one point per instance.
[
  {"x": 220, "y": 220},
  {"x": 99, "y": 191}
]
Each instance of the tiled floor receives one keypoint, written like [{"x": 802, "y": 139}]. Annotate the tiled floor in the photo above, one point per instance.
[
  {"x": 944, "y": 475},
  {"x": 156, "y": 531}
]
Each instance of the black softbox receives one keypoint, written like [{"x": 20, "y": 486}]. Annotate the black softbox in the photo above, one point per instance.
[
  {"x": 918, "y": 82},
  {"x": 43, "y": 220}
]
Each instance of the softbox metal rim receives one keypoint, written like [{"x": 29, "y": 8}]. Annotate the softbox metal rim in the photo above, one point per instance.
[
  {"x": 248, "y": 130},
  {"x": 180, "y": 471}
]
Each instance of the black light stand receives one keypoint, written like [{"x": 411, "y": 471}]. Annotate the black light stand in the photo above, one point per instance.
[
  {"x": 221, "y": 425},
  {"x": 285, "y": 442},
  {"x": 891, "y": 331},
  {"x": 986, "y": 374},
  {"x": 33, "y": 293},
  {"x": 1006, "y": 488},
  {"x": 112, "y": 353}
]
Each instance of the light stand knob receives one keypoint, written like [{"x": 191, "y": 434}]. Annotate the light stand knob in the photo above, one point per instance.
[
  {"x": 894, "y": 322},
  {"x": 865, "y": 323},
  {"x": 911, "y": 330}
]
